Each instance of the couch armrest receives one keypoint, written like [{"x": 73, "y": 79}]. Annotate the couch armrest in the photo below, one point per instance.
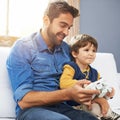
[
  {"x": 118, "y": 74},
  {"x": 118, "y": 79}
]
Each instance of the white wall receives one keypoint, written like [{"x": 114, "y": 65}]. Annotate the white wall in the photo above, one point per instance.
[{"x": 101, "y": 19}]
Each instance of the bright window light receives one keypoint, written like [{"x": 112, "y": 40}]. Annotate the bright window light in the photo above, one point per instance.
[
  {"x": 25, "y": 16},
  {"x": 3, "y": 16}
]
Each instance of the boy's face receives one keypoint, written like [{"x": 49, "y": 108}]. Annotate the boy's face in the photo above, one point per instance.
[{"x": 86, "y": 55}]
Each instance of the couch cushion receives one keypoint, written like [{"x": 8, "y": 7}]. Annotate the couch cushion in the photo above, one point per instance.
[
  {"x": 106, "y": 65},
  {"x": 7, "y": 104}
]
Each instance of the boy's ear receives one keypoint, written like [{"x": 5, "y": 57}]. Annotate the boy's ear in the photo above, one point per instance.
[
  {"x": 74, "y": 54},
  {"x": 46, "y": 20}
]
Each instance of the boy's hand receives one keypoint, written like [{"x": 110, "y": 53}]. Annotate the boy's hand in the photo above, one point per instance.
[{"x": 103, "y": 104}]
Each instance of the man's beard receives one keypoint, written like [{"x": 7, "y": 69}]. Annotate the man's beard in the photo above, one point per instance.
[{"x": 54, "y": 37}]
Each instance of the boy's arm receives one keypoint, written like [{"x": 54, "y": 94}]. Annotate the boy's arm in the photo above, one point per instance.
[
  {"x": 103, "y": 105},
  {"x": 66, "y": 79},
  {"x": 99, "y": 77}
]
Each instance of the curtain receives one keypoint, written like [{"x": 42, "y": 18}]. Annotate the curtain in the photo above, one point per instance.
[{"x": 76, "y": 25}]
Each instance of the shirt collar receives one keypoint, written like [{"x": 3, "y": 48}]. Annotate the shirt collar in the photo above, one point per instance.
[{"x": 86, "y": 70}]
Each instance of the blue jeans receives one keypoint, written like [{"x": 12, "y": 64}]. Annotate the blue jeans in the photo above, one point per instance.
[{"x": 54, "y": 112}]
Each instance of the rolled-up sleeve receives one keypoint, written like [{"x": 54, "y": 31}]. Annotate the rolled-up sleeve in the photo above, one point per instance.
[{"x": 19, "y": 70}]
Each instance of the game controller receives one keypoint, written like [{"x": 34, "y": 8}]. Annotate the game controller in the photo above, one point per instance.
[{"x": 102, "y": 86}]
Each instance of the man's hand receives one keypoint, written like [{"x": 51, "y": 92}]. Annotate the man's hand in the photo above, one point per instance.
[{"x": 82, "y": 95}]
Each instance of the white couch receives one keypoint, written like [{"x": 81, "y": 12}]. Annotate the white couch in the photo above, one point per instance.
[{"x": 105, "y": 63}]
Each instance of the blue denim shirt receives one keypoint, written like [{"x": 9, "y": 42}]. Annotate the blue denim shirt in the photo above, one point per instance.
[{"x": 32, "y": 66}]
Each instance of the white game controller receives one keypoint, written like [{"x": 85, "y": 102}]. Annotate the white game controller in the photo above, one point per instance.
[{"x": 100, "y": 85}]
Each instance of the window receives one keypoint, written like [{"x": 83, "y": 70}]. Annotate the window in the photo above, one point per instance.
[
  {"x": 22, "y": 17},
  {"x": 3, "y": 16}
]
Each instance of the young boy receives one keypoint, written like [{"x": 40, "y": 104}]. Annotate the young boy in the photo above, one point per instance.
[{"x": 83, "y": 51}]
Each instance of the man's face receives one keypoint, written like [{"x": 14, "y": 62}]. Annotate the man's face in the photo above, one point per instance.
[{"x": 59, "y": 28}]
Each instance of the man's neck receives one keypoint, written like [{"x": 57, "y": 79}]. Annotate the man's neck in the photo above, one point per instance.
[{"x": 46, "y": 39}]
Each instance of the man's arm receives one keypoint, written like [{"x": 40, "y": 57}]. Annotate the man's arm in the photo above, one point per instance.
[
  {"x": 39, "y": 98},
  {"x": 77, "y": 93}
]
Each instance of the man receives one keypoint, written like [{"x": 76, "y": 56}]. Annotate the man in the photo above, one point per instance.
[{"x": 35, "y": 65}]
